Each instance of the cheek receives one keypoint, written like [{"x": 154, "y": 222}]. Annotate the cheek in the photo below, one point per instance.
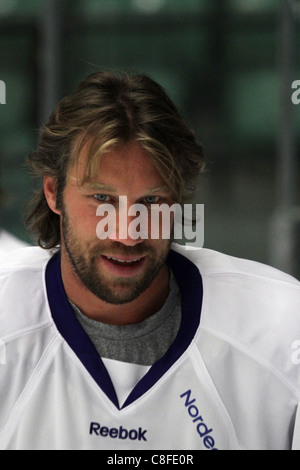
[
  {"x": 82, "y": 220},
  {"x": 160, "y": 226},
  {"x": 158, "y": 247}
]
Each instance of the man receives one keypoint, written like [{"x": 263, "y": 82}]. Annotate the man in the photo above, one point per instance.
[{"x": 126, "y": 341}]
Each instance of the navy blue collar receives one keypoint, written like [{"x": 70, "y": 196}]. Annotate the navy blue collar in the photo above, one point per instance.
[{"x": 190, "y": 284}]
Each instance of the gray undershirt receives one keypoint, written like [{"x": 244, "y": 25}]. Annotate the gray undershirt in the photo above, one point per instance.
[{"x": 142, "y": 343}]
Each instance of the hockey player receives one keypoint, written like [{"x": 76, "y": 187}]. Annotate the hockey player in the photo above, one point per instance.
[{"x": 133, "y": 342}]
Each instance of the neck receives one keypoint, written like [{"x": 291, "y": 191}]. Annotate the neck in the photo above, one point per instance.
[{"x": 148, "y": 303}]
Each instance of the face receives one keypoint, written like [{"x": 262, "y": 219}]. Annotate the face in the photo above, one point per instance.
[{"x": 116, "y": 269}]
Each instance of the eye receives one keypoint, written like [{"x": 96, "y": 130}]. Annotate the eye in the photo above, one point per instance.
[
  {"x": 101, "y": 197},
  {"x": 151, "y": 199}
]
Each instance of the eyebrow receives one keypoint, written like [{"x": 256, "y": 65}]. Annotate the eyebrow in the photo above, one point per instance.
[
  {"x": 93, "y": 185},
  {"x": 159, "y": 189},
  {"x": 98, "y": 186}
]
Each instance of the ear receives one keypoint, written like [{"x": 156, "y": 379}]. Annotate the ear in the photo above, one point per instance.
[{"x": 50, "y": 185}]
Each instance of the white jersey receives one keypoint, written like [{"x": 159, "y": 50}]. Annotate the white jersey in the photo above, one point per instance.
[
  {"x": 9, "y": 242},
  {"x": 227, "y": 382}
]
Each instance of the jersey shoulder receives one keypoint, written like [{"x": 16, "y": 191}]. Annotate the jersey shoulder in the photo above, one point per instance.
[
  {"x": 250, "y": 312},
  {"x": 24, "y": 257},
  {"x": 8, "y": 242},
  {"x": 23, "y": 298},
  {"x": 214, "y": 263}
]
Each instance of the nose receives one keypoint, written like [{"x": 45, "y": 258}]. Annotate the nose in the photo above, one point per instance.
[
  {"x": 120, "y": 226},
  {"x": 126, "y": 231},
  {"x": 131, "y": 229}
]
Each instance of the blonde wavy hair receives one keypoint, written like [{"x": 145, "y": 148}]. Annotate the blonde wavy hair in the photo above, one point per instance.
[{"x": 108, "y": 110}]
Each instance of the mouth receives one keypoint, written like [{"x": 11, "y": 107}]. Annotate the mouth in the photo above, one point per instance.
[
  {"x": 123, "y": 266},
  {"x": 121, "y": 261}
]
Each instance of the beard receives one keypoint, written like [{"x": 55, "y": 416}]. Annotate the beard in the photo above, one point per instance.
[{"x": 112, "y": 289}]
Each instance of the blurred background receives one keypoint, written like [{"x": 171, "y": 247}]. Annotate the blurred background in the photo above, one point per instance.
[{"x": 228, "y": 65}]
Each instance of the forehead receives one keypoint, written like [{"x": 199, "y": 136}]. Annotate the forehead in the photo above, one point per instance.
[{"x": 123, "y": 166}]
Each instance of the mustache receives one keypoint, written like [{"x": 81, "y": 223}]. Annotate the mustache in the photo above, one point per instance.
[{"x": 116, "y": 249}]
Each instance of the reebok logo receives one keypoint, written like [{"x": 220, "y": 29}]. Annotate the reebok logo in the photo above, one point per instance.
[
  {"x": 202, "y": 429},
  {"x": 118, "y": 433}
]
